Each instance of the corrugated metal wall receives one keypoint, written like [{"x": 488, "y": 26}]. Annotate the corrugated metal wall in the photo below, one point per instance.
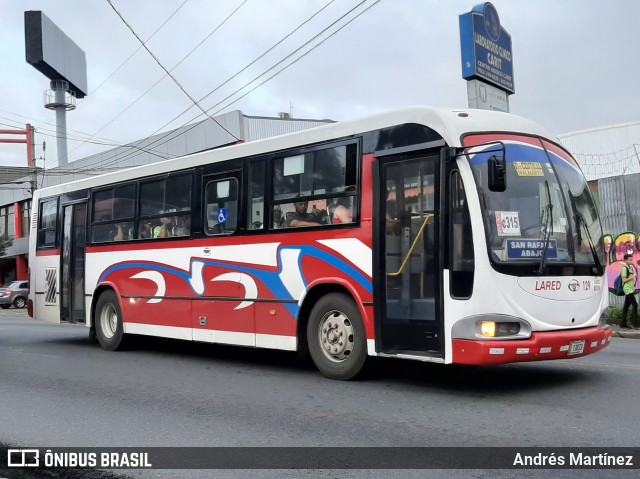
[
  {"x": 620, "y": 203},
  {"x": 257, "y": 127},
  {"x": 613, "y": 211}
]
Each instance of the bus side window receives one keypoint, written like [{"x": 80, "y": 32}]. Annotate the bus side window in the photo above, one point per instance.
[
  {"x": 221, "y": 206},
  {"x": 47, "y": 223},
  {"x": 256, "y": 213},
  {"x": 324, "y": 179},
  {"x": 461, "y": 258}
]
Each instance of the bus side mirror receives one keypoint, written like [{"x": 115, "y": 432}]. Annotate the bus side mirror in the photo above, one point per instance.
[{"x": 497, "y": 167}]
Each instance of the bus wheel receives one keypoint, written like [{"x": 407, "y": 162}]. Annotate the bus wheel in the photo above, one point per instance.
[
  {"x": 336, "y": 337},
  {"x": 108, "y": 321}
]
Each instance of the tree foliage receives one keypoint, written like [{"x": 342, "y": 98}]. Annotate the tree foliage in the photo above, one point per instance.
[{"x": 5, "y": 243}]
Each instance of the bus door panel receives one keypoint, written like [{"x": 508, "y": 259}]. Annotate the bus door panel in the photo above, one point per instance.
[
  {"x": 72, "y": 278},
  {"x": 223, "y": 314},
  {"x": 408, "y": 245}
]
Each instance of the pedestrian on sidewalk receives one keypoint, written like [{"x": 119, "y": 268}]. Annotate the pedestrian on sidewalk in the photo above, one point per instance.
[{"x": 629, "y": 288}]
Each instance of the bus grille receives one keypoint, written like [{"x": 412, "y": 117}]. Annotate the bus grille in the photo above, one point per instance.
[{"x": 51, "y": 284}]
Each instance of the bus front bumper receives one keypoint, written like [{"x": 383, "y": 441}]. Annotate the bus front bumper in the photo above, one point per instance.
[{"x": 541, "y": 346}]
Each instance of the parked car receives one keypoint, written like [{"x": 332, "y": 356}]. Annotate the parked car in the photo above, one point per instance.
[{"x": 15, "y": 293}]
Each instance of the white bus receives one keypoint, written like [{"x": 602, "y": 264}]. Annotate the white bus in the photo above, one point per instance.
[{"x": 450, "y": 236}]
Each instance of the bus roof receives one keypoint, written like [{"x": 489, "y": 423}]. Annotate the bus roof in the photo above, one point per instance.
[{"x": 451, "y": 124}]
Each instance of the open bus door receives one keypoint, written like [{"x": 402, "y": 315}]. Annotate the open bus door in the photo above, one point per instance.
[
  {"x": 408, "y": 288},
  {"x": 72, "y": 295}
]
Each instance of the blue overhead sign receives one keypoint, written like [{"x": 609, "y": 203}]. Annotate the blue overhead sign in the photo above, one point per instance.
[{"x": 486, "y": 48}]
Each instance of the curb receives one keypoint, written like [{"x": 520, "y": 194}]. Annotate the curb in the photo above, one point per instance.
[{"x": 626, "y": 333}]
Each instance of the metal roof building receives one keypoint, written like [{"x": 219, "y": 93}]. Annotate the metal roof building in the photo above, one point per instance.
[
  {"x": 223, "y": 130},
  {"x": 227, "y": 129}
]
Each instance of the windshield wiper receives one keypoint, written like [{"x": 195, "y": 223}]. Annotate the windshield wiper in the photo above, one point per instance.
[
  {"x": 548, "y": 227},
  {"x": 581, "y": 221}
]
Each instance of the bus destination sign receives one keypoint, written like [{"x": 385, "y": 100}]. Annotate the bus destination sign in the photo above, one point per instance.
[{"x": 531, "y": 248}]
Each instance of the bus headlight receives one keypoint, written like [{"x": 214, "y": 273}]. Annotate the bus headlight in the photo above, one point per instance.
[
  {"x": 491, "y": 329},
  {"x": 495, "y": 326}
]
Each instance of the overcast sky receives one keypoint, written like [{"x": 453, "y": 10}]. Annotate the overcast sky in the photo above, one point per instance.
[{"x": 575, "y": 63}]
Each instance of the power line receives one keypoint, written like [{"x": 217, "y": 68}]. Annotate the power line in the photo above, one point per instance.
[
  {"x": 246, "y": 66},
  {"x": 117, "y": 145},
  {"x": 125, "y": 62},
  {"x": 167, "y": 71},
  {"x": 294, "y": 61},
  {"x": 261, "y": 56},
  {"x": 176, "y": 133},
  {"x": 38, "y": 127},
  {"x": 168, "y": 74},
  {"x": 138, "y": 49},
  {"x": 107, "y": 142},
  {"x": 41, "y": 132},
  {"x": 226, "y": 81}
]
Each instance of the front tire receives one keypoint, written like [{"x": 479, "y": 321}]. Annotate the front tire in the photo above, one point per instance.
[
  {"x": 336, "y": 337},
  {"x": 107, "y": 319}
]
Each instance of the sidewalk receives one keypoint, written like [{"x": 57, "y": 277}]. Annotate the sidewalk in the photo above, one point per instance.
[{"x": 625, "y": 333}]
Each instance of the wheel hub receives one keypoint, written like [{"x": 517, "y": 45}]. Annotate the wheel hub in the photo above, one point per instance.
[
  {"x": 336, "y": 336},
  {"x": 109, "y": 319}
]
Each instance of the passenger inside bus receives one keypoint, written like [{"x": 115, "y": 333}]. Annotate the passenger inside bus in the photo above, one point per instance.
[
  {"x": 277, "y": 216},
  {"x": 300, "y": 218},
  {"x": 164, "y": 229},
  {"x": 119, "y": 234},
  {"x": 343, "y": 212},
  {"x": 182, "y": 226},
  {"x": 146, "y": 230}
]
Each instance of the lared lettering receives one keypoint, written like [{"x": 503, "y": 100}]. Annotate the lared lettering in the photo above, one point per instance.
[{"x": 548, "y": 285}]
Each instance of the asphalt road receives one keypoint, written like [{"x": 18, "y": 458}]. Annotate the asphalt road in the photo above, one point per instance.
[{"x": 59, "y": 389}]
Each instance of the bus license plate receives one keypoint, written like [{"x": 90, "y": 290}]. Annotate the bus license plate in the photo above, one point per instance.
[{"x": 577, "y": 347}]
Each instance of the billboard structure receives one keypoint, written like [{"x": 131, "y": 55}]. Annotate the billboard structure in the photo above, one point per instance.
[
  {"x": 56, "y": 56},
  {"x": 487, "y": 58}
]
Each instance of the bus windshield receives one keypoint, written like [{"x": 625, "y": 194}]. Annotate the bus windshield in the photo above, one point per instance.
[{"x": 546, "y": 203}]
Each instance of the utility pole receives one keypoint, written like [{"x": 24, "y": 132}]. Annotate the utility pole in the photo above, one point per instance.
[{"x": 34, "y": 169}]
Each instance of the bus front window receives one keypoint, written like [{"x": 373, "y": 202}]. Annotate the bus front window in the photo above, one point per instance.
[{"x": 546, "y": 204}]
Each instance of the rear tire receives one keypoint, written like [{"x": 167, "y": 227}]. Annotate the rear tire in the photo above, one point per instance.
[
  {"x": 19, "y": 302},
  {"x": 107, "y": 319},
  {"x": 336, "y": 337}
]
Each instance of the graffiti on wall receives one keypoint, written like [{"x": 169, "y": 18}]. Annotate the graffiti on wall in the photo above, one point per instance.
[{"x": 615, "y": 248}]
